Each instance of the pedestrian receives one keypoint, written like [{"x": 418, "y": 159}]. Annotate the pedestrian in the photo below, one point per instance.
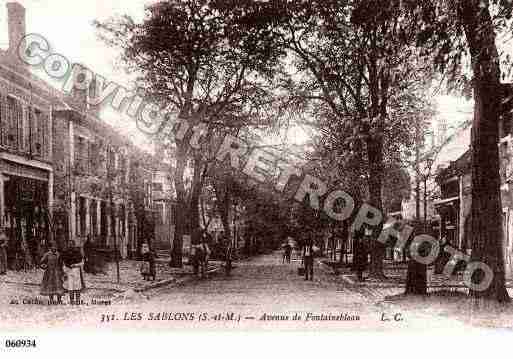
[
  {"x": 52, "y": 284},
  {"x": 308, "y": 255},
  {"x": 287, "y": 250},
  {"x": 148, "y": 268},
  {"x": 359, "y": 254},
  {"x": 89, "y": 266},
  {"x": 205, "y": 256},
  {"x": 74, "y": 277},
  {"x": 3, "y": 252},
  {"x": 228, "y": 259}
]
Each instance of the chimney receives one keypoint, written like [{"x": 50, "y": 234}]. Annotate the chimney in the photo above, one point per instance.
[{"x": 16, "y": 25}]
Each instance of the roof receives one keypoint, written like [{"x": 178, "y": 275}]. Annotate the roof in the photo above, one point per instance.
[
  {"x": 63, "y": 104},
  {"x": 454, "y": 147}
]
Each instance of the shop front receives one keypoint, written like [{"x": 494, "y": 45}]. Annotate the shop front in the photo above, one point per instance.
[{"x": 25, "y": 212}]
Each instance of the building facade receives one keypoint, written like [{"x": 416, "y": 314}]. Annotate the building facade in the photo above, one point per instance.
[
  {"x": 26, "y": 154},
  {"x": 65, "y": 175},
  {"x": 455, "y": 181}
]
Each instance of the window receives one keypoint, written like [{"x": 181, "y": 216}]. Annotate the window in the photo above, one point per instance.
[
  {"x": 122, "y": 220},
  {"x": 38, "y": 133},
  {"x": 93, "y": 214},
  {"x": 81, "y": 155},
  {"x": 15, "y": 123},
  {"x": 159, "y": 207},
  {"x": 158, "y": 187},
  {"x": 82, "y": 215},
  {"x": 112, "y": 160},
  {"x": 94, "y": 158}
]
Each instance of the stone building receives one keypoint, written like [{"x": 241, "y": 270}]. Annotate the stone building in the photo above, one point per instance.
[
  {"x": 64, "y": 173},
  {"x": 26, "y": 153}
]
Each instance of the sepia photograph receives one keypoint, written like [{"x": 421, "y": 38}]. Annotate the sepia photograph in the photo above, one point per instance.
[{"x": 196, "y": 166}]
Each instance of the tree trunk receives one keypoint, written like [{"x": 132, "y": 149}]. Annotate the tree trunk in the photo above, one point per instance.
[
  {"x": 181, "y": 212},
  {"x": 225, "y": 213},
  {"x": 194, "y": 215},
  {"x": 375, "y": 158},
  {"x": 425, "y": 204},
  {"x": 487, "y": 234},
  {"x": 416, "y": 276}
]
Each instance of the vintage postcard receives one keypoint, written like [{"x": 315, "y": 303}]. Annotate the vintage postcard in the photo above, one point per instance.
[{"x": 332, "y": 165}]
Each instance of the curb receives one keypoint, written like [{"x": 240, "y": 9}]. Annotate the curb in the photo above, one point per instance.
[
  {"x": 147, "y": 287},
  {"x": 169, "y": 281},
  {"x": 30, "y": 284}
]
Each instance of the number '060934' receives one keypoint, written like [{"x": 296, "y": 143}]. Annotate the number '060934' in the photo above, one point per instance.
[{"x": 20, "y": 343}]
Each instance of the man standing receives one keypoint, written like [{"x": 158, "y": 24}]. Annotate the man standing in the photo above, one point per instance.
[
  {"x": 359, "y": 254},
  {"x": 228, "y": 259},
  {"x": 308, "y": 254}
]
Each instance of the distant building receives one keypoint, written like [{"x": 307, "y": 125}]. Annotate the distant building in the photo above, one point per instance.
[
  {"x": 455, "y": 181},
  {"x": 165, "y": 206}
]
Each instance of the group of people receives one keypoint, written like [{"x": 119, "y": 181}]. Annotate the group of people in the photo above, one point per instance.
[
  {"x": 308, "y": 252},
  {"x": 361, "y": 246},
  {"x": 63, "y": 273},
  {"x": 201, "y": 253}
]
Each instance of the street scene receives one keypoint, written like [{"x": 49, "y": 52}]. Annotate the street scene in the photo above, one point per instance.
[
  {"x": 261, "y": 293},
  {"x": 183, "y": 164}
]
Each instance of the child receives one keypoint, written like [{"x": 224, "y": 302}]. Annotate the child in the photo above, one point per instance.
[
  {"x": 74, "y": 282},
  {"x": 148, "y": 269}
]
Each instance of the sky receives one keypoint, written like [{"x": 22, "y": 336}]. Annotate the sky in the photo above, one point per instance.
[{"x": 67, "y": 25}]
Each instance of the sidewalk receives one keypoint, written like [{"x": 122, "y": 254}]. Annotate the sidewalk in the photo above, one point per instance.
[
  {"x": 130, "y": 277},
  {"x": 396, "y": 278}
]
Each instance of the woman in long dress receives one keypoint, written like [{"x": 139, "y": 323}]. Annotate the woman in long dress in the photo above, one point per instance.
[
  {"x": 74, "y": 282},
  {"x": 51, "y": 285},
  {"x": 3, "y": 252}
]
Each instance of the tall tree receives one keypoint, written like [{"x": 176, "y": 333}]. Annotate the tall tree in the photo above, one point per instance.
[
  {"x": 456, "y": 30},
  {"x": 206, "y": 66},
  {"x": 349, "y": 69},
  {"x": 487, "y": 234}
]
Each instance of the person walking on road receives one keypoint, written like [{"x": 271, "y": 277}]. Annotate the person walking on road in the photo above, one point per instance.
[
  {"x": 287, "y": 251},
  {"x": 52, "y": 284},
  {"x": 228, "y": 259},
  {"x": 308, "y": 255}
]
